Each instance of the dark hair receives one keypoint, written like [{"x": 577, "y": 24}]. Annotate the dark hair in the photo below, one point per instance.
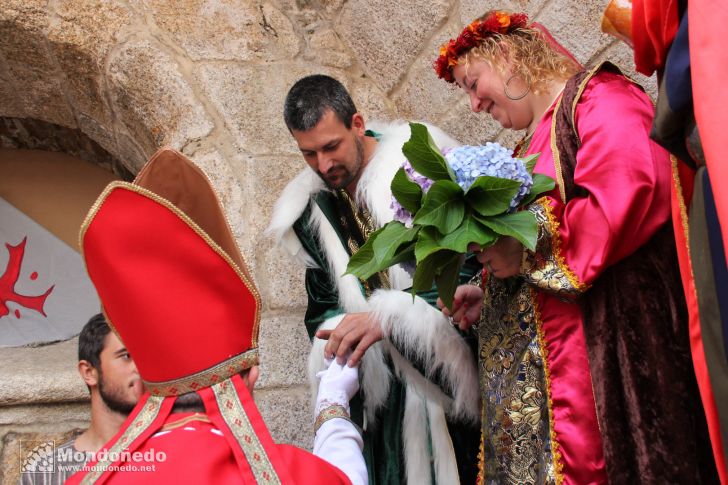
[
  {"x": 311, "y": 97},
  {"x": 91, "y": 339},
  {"x": 191, "y": 402}
]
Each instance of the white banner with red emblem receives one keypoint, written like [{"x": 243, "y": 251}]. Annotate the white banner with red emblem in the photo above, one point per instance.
[{"x": 45, "y": 293}]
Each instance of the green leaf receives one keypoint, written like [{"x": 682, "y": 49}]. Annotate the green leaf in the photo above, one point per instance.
[
  {"x": 407, "y": 193},
  {"x": 530, "y": 162},
  {"x": 541, "y": 184},
  {"x": 470, "y": 231},
  {"x": 521, "y": 225},
  {"x": 394, "y": 235},
  {"x": 385, "y": 247},
  {"x": 427, "y": 243},
  {"x": 363, "y": 264},
  {"x": 406, "y": 253},
  {"x": 429, "y": 268},
  {"x": 443, "y": 207},
  {"x": 491, "y": 196},
  {"x": 448, "y": 278},
  {"x": 423, "y": 277},
  {"x": 424, "y": 155}
]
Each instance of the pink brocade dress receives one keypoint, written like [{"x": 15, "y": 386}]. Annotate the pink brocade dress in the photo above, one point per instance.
[{"x": 539, "y": 418}]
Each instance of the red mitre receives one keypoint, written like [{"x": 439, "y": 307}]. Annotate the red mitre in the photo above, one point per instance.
[
  {"x": 171, "y": 278},
  {"x": 176, "y": 290}
]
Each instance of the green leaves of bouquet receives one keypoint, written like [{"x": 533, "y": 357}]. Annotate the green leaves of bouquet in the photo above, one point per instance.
[{"x": 443, "y": 204}]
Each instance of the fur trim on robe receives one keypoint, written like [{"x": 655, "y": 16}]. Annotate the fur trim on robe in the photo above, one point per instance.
[{"x": 418, "y": 327}]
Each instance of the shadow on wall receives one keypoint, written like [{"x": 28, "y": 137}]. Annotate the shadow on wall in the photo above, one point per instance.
[{"x": 25, "y": 133}]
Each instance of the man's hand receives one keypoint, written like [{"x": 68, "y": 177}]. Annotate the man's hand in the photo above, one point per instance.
[
  {"x": 355, "y": 334},
  {"x": 502, "y": 259},
  {"x": 466, "y": 306}
]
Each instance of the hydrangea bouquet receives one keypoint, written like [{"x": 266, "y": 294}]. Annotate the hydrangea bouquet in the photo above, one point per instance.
[{"x": 444, "y": 203}]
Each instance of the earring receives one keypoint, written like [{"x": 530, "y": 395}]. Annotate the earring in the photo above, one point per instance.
[{"x": 520, "y": 96}]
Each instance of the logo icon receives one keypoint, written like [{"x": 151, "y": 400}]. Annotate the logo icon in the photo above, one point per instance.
[{"x": 37, "y": 456}]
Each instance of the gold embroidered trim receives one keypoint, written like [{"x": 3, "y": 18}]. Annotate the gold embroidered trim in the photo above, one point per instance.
[
  {"x": 205, "y": 378},
  {"x": 186, "y": 219},
  {"x": 555, "y": 453},
  {"x": 555, "y": 153},
  {"x": 579, "y": 92},
  {"x": 480, "y": 479},
  {"x": 365, "y": 223},
  {"x": 142, "y": 421},
  {"x": 684, "y": 221},
  {"x": 233, "y": 413},
  {"x": 556, "y": 246},
  {"x": 330, "y": 412},
  {"x": 681, "y": 202},
  {"x": 546, "y": 268}
]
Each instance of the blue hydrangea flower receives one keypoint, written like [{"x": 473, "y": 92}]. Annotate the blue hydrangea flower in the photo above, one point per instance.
[{"x": 470, "y": 162}]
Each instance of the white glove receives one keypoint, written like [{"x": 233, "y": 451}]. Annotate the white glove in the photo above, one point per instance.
[{"x": 338, "y": 385}]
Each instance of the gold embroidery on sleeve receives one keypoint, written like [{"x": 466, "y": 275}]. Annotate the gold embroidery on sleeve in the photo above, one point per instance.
[{"x": 546, "y": 268}]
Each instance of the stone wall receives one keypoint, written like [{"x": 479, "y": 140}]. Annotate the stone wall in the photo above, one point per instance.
[{"x": 208, "y": 77}]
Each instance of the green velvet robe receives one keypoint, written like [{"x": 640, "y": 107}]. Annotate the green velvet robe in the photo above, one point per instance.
[{"x": 383, "y": 442}]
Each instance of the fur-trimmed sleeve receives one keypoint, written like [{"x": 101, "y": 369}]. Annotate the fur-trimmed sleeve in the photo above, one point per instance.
[
  {"x": 420, "y": 333},
  {"x": 323, "y": 296}
]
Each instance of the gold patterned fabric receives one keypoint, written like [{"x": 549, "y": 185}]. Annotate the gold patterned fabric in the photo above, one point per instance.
[
  {"x": 330, "y": 412},
  {"x": 359, "y": 225},
  {"x": 516, "y": 446},
  {"x": 545, "y": 268},
  {"x": 206, "y": 378},
  {"x": 141, "y": 423},
  {"x": 232, "y": 411}
]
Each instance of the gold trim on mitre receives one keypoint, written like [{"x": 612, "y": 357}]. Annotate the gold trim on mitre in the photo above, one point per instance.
[{"x": 205, "y": 378}]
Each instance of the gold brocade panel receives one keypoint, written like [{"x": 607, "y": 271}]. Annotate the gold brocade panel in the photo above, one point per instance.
[{"x": 516, "y": 435}]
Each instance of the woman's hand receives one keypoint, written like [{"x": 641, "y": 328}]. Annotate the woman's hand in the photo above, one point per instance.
[
  {"x": 502, "y": 259},
  {"x": 466, "y": 306}
]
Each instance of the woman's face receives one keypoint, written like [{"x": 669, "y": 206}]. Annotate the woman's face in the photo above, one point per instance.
[{"x": 486, "y": 88}]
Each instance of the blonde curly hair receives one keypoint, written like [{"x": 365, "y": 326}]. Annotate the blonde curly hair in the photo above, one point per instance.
[{"x": 528, "y": 53}]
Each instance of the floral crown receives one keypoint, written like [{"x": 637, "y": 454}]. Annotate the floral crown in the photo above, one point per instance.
[{"x": 496, "y": 22}]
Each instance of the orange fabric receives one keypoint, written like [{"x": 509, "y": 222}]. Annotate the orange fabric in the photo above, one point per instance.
[
  {"x": 707, "y": 21},
  {"x": 654, "y": 25}
]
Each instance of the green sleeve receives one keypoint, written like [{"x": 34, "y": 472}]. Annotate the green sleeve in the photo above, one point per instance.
[{"x": 323, "y": 297}]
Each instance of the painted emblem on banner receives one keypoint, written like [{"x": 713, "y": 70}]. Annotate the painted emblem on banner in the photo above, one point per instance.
[
  {"x": 45, "y": 294},
  {"x": 10, "y": 277}
]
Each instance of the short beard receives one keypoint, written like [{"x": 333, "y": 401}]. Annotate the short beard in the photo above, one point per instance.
[
  {"x": 351, "y": 174},
  {"x": 112, "y": 398}
]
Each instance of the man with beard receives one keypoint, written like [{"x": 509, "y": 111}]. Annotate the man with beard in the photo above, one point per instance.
[
  {"x": 419, "y": 383},
  {"x": 115, "y": 387}
]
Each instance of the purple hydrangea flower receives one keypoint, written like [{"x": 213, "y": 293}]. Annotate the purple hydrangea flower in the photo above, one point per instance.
[
  {"x": 400, "y": 213},
  {"x": 414, "y": 176},
  {"x": 470, "y": 162}
]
